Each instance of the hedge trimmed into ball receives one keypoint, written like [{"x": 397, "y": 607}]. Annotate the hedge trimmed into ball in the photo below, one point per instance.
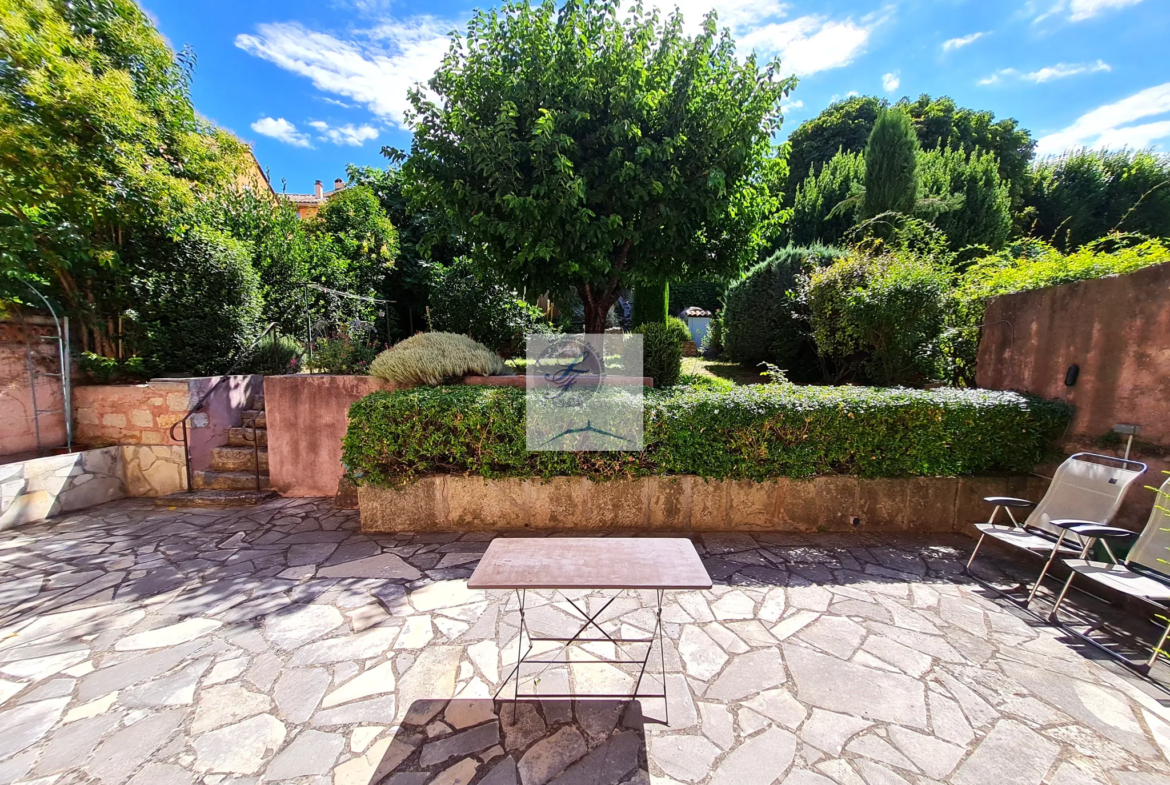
[{"x": 754, "y": 432}]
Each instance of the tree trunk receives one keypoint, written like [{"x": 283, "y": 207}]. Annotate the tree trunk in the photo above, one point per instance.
[{"x": 596, "y": 302}]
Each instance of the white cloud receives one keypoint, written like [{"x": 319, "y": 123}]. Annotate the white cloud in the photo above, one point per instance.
[
  {"x": 345, "y": 134},
  {"x": 376, "y": 70},
  {"x": 891, "y": 82},
  {"x": 282, "y": 130},
  {"x": 1047, "y": 74},
  {"x": 1113, "y": 125},
  {"x": 958, "y": 43},
  {"x": 1080, "y": 10},
  {"x": 810, "y": 44}
]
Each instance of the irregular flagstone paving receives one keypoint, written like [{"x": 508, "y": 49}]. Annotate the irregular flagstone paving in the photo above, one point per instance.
[{"x": 279, "y": 644}]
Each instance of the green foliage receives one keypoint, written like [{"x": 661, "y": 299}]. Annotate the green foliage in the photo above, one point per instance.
[
  {"x": 703, "y": 381},
  {"x": 713, "y": 340},
  {"x": 938, "y": 122},
  {"x": 763, "y": 319},
  {"x": 1025, "y": 265},
  {"x": 650, "y": 304},
  {"x": 662, "y": 353},
  {"x": 879, "y": 317},
  {"x": 891, "y": 166},
  {"x": 275, "y": 355},
  {"x": 678, "y": 328},
  {"x": 820, "y": 194},
  {"x": 597, "y": 147},
  {"x": 110, "y": 370},
  {"x": 965, "y": 197},
  {"x": 199, "y": 300},
  {"x": 707, "y": 295},
  {"x": 462, "y": 301},
  {"x": 359, "y": 234},
  {"x": 843, "y": 126},
  {"x": 436, "y": 358},
  {"x": 755, "y": 432},
  {"x": 408, "y": 284},
  {"x": 99, "y": 140},
  {"x": 344, "y": 354},
  {"x": 1086, "y": 194}
]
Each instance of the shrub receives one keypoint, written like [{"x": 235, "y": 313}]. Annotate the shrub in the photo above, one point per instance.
[
  {"x": 820, "y": 194},
  {"x": 661, "y": 353},
  {"x": 713, "y": 341},
  {"x": 751, "y": 433},
  {"x": 461, "y": 301},
  {"x": 276, "y": 355},
  {"x": 110, "y": 370},
  {"x": 762, "y": 319},
  {"x": 1085, "y": 194},
  {"x": 879, "y": 317},
  {"x": 199, "y": 300},
  {"x": 435, "y": 358},
  {"x": 1032, "y": 264},
  {"x": 678, "y": 328},
  {"x": 966, "y": 199}
]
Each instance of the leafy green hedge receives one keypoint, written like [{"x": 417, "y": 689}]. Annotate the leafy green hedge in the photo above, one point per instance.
[{"x": 754, "y": 432}]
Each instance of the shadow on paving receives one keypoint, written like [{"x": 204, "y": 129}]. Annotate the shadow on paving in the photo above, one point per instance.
[{"x": 486, "y": 742}]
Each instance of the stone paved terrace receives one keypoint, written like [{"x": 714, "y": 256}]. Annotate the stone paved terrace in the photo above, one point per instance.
[{"x": 277, "y": 643}]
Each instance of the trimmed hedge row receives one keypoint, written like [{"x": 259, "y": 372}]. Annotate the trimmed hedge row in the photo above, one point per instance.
[{"x": 751, "y": 433}]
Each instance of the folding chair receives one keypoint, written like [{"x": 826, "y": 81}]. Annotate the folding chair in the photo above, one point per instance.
[
  {"x": 1144, "y": 574},
  {"x": 1087, "y": 489}
]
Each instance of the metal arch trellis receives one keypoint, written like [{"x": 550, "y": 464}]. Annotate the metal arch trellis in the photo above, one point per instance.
[
  {"x": 309, "y": 323},
  {"x": 61, "y": 323}
]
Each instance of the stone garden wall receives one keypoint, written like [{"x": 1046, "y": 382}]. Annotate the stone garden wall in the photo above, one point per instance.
[
  {"x": 43, "y": 487},
  {"x": 684, "y": 503}
]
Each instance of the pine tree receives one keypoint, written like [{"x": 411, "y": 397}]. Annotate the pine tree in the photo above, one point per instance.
[
  {"x": 891, "y": 166},
  {"x": 819, "y": 194},
  {"x": 965, "y": 197}
]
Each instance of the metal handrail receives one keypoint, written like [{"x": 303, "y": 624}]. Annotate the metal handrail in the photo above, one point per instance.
[{"x": 199, "y": 405}]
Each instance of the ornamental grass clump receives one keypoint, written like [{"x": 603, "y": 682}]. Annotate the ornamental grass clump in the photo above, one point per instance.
[{"x": 434, "y": 359}]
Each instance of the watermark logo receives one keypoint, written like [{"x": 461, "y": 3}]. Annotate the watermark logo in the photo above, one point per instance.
[{"x": 584, "y": 392}]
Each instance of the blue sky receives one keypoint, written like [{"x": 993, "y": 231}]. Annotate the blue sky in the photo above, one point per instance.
[{"x": 317, "y": 85}]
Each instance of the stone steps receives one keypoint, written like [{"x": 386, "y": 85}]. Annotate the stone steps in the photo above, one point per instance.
[
  {"x": 213, "y": 498},
  {"x": 242, "y": 437},
  {"x": 229, "y": 481},
  {"x": 238, "y": 459}
]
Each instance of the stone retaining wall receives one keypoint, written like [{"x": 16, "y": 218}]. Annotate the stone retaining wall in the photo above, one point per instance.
[{"x": 685, "y": 503}]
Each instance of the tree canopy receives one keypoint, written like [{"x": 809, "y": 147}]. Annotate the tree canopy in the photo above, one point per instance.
[
  {"x": 99, "y": 137},
  {"x": 846, "y": 125},
  {"x": 596, "y": 148},
  {"x": 891, "y": 166}
]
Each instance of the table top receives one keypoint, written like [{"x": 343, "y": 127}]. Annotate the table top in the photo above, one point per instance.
[{"x": 590, "y": 563}]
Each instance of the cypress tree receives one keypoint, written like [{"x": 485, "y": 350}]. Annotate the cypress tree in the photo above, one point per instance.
[{"x": 891, "y": 166}]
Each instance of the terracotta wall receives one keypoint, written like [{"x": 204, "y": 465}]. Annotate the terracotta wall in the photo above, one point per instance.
[
  {"x": 1117, "y": 330},
  {"x": 823, "y": 504},
  {"x": 307, "y": 419},
  {"x": 17, "y": 433}
]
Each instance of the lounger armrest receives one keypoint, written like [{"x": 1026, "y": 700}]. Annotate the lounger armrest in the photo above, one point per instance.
[
  {"x": 1008, "y": 501},
  {"x": 1093, "y": 529}
]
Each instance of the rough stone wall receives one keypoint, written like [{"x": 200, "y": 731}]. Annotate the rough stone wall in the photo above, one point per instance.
[
  {"x": 132, "y": 413},
  {"x": 153, "y": 470},
  {"x": 41, "y": 488},
  {"x": 823, "y": 504}
]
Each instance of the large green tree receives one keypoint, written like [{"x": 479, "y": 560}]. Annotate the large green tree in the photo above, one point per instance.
[
  {"x": 597, "y": 148},
  {"x": 816, "y": 216},
  {"x": 965, "y": 197},
  {"x": 892, "y": 181},
  {"x": 98, "y": 139},
  {"x": 1084, "y": 195},
  {"x": 846, "y": 125}
]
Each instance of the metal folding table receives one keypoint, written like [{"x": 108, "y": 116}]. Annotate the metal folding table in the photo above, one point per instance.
[{"x": 589, "y": 563}]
